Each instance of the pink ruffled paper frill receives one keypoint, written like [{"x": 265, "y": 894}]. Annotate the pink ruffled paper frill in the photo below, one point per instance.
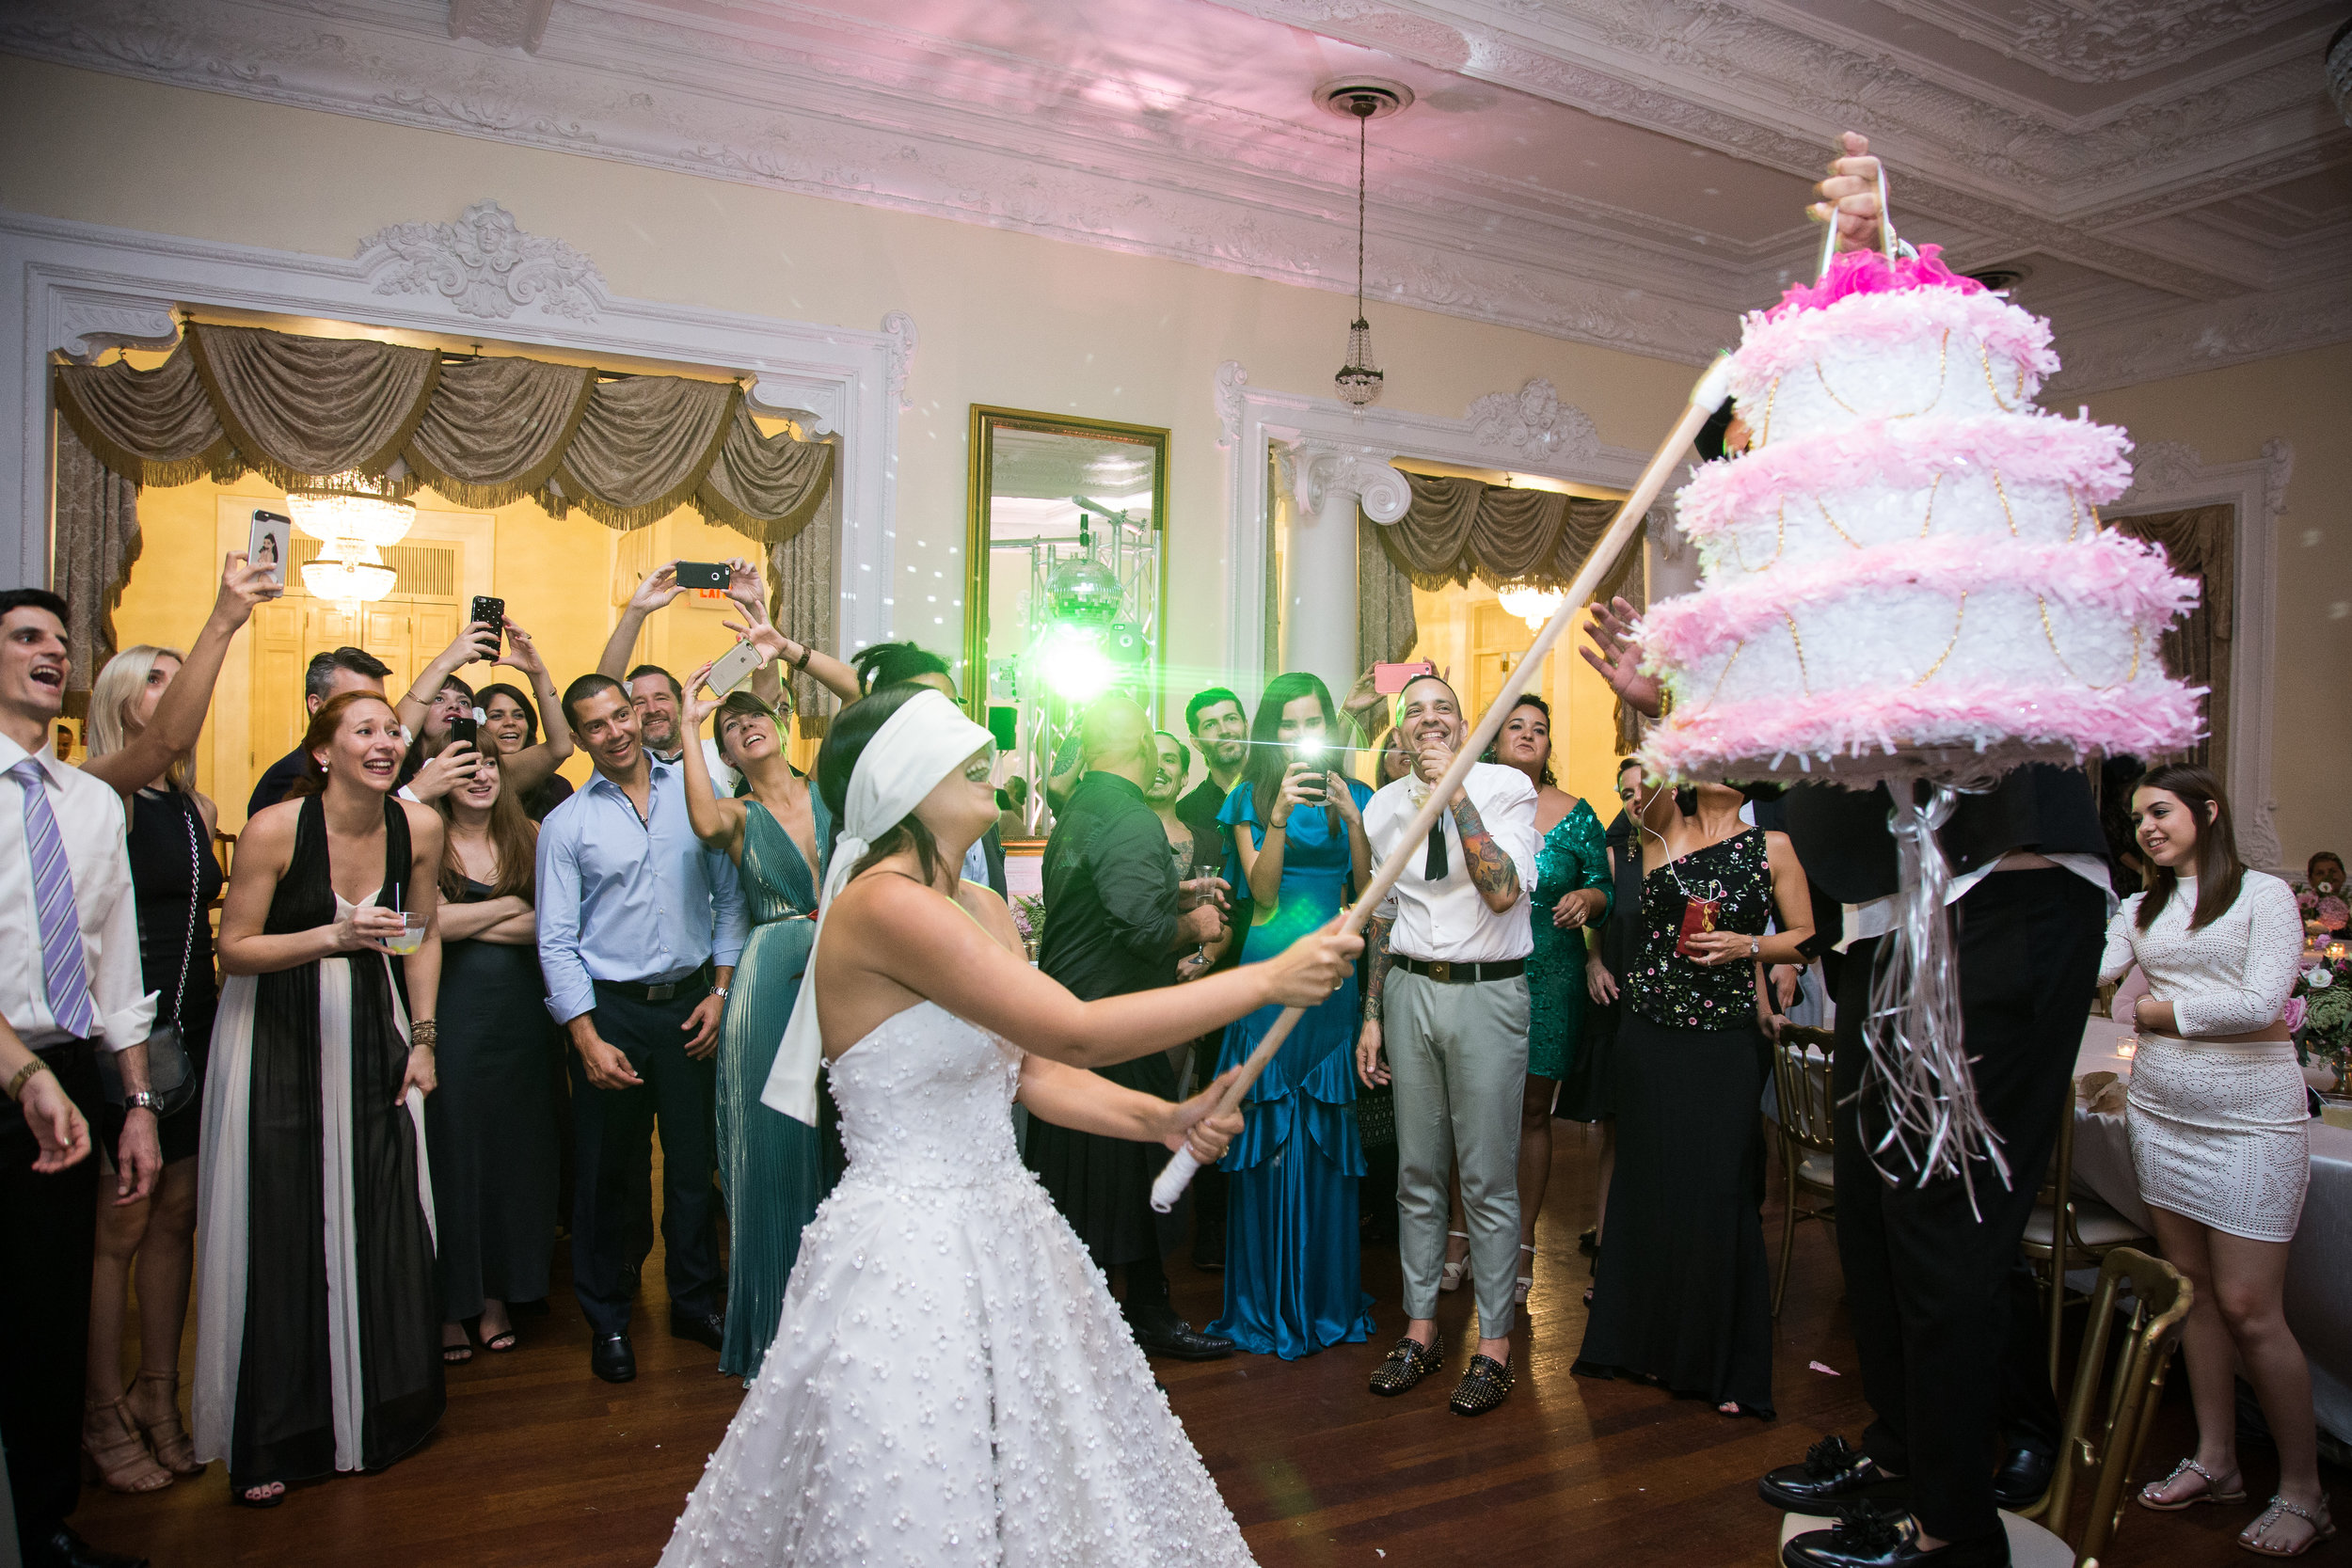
[
  {"x": 2025, "y": 449},
  {"x": 1773, "y": 345},
  {"x": 1868, "y": 272},
  {"x": 2113, "y": 572},
  {"x": 2150, "y": 717}
]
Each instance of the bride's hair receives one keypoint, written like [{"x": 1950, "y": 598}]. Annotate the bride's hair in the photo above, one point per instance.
[{"x": 837, "y": 762}]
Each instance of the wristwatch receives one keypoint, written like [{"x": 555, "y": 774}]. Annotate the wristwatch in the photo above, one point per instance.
[
  {"x": 718, "y": 992},
  {"x": 1755, "y": 947},
  {"x": 143, "y": 1101}
]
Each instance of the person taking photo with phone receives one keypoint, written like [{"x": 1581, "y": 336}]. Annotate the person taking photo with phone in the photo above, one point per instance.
[{"x": 440, "y": 711}]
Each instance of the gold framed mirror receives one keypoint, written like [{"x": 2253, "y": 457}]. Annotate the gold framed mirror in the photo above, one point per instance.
[{"x": 1065, "y": 581}]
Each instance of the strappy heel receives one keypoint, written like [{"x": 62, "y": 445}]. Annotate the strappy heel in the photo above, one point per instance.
[
  {"x": 1525, "y": 1282},
  {"x": 2323, "y": 1527},
  {"x": 2212, "y": 1494},
  {"x": 166, "y": 1437},
  {"x": 114, "y": 1455},
  {"x": 1450, "y": 1276}
]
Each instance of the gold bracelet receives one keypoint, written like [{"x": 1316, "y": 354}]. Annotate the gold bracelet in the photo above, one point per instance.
[{"x": 24, "y": 1075}]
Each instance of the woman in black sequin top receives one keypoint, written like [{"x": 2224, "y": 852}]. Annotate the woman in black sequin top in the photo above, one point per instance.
[{"x": 1683, "y": 1295}]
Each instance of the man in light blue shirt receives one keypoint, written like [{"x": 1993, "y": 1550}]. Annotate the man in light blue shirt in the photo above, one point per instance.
[{"x": 639, "y": 930}]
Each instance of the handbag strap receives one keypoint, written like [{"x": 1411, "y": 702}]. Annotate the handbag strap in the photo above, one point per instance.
[{"x": 196, "y": 896}]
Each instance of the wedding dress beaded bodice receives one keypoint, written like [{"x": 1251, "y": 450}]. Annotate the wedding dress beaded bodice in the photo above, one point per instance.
[{"x": 951, "y": 1382}]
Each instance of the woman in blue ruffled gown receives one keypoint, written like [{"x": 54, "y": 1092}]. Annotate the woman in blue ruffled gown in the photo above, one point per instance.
[{"x": 1293, "y": 1271}]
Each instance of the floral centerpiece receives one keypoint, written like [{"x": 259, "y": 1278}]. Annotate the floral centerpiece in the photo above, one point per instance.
[
  {"x": 2319, "y": 1013},
  {"x": 1029, "y": 917}
]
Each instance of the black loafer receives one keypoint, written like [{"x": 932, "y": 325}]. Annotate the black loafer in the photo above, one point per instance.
[
  {"x": 1179, "y": 1340},
  {"x": 1835, "y": 1471},
  {"x": 1485, "y": 1384},
  {"x": 1864, "y": 1537},
  {"x": 703, "y": 1328},
  {"x": 62, "y": 1548},
  {"x": 1408, "y": 1361},
  {"x": 612, "y": 1359},
  {"x": 2024, "y": 1476}
]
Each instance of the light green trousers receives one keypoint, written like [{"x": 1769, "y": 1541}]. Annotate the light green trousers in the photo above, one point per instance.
[{"x": 1457, "y": 1057}]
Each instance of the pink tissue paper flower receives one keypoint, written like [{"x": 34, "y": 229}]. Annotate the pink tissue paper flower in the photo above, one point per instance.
[{"x": 1868, "y": 272}]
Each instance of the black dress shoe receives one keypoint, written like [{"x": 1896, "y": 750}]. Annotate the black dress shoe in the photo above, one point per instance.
[
  {"x": 610, "y": 1358},
  {"x": 1867, "y": 1538},
  {"x": 703, "y": 1328},
  {"x": 1179, "y": 1340},
  {"x": 1833, "y": 1471},
  {"x": 2023, "y": 1477},
  {"x": 62, "y": 1548}
]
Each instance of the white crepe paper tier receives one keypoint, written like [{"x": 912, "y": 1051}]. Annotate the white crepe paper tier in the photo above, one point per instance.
[{"x": 1905, "y": 574}]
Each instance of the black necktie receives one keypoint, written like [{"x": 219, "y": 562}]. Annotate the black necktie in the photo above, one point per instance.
[{"x": 1434, "y": 868}]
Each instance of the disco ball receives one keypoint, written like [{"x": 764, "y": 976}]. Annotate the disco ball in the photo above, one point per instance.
[{"x": 1085, "y": 593}]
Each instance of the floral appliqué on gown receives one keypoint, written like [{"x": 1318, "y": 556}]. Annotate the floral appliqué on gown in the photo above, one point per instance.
[{"x": 951, "y": 1382}]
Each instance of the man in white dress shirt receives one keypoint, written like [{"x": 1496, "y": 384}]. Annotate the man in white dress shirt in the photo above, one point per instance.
[
  {"x": 69, "y": 986},
  {"x": 1446, "y": 996}
]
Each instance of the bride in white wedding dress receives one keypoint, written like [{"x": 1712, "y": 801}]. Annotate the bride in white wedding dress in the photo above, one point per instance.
[{"x": 951, "y": 1382}]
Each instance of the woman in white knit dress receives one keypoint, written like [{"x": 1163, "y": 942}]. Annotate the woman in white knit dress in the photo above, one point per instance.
[{"x": 2218, "y": 1139}]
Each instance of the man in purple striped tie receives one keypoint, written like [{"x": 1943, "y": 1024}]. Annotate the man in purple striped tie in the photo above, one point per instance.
[{"x": 69, "y": 986}]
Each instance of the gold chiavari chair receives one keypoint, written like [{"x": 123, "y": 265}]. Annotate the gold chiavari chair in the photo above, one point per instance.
[
  {"x": 1801, "y": 1084},
  {"x": 2068, "y": 1231}
]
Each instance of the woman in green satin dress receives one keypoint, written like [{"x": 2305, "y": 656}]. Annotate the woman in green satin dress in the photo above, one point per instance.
[{"x": 769, "y": 1166}]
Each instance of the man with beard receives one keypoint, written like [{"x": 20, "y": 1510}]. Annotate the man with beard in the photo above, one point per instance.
[
  {"x": 1220, "y": 732},
  {"x": 656, "y": 696},
  {"x": 639, "y": 930},
  {"x": 1115, "y": 921},
  {"x": 1445, "y": 996}
]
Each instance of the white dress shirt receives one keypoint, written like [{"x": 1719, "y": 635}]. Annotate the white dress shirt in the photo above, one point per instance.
[
  {"x": 1448, "y": 922},
  {"x": 1881, "y": 915},
  {"x": 90, "y": 823}
]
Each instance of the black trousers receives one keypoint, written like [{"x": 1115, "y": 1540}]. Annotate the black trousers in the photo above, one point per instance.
[
  {"x": 48, "y": 1240},
  {"x": 612, "y": 1184},
  {"x": 1945, "y": 1313}
]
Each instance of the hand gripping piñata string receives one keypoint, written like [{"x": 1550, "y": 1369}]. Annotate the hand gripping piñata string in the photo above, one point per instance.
[{"x": 1704, "y": 397}]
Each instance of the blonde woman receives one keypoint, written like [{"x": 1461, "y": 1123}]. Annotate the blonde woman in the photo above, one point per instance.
[
  {"x": 2219, "y": 1140},
  {"x": 147, "y": 709}
]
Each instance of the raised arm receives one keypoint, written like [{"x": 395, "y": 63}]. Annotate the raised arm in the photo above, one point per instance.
[
  {"x": 893, "y": 929},
  {"x": 534, "y": 765},
  {"x": 658, "y": 590},
  {"x": 179, "y": 716},
  {"x": 1849, "y": 196},
  {"x": 473, "y": 645},
  {"x": 718, "y": 823},
  {"x": 828, "y": 671}
]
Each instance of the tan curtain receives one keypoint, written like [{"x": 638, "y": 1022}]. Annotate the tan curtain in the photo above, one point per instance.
[
  {"x": 298, "y": 407},
  {"x": 770, "y": 487},
  {"x": 643, "y": 445},
  {"x": 153, "y": 427},
  {"x": 1460, "y": 529},
  {"x": 495, "y": 429},
  {"x": 1385, "y": 627},
  {"x": 2202, "y": 542},
  {"x": 806, "y": 596},
  {"x": 98, "y": 539}
]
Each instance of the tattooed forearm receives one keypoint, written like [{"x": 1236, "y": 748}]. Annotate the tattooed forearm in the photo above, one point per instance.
[
  {"x": 1490, "y": 870},
  {"x": 1376, "y": 963}
]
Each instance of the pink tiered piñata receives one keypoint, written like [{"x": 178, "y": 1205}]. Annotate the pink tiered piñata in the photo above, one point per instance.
[{"x": 1905, "y": 572}]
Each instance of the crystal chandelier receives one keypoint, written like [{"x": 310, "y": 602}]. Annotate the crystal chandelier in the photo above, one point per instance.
[
  {"x": 1359, "y": 381},
  {"x": 1535, "y": 606},
  {"x": 353, "y": 518}
]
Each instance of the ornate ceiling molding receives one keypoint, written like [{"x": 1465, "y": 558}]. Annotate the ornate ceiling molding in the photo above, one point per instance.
[
  {"x": 484, "y": 265},
  {"x": 1221, "y": 188}
]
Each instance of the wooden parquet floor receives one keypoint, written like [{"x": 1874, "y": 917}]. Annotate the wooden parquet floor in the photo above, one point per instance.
[{"x": 538, "y": 1462}]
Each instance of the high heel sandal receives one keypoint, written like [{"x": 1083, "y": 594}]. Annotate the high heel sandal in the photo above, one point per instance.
[
  {"x": 1526, "y": 1282},
  {"x": 166, "y": 1437},
  {"x": 1450, "y": 1276},
  {"x": 118, "y": 1459}
]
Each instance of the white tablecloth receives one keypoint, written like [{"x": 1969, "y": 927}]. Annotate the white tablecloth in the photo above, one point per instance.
[{"x": 2319, "y": 1263}]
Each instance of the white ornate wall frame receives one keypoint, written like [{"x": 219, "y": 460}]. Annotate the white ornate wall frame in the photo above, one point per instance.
[
  {"x": 79, "y": 289},
  {"x": 1324, "y": 442},
  {"x": 2170, "y": 477}
]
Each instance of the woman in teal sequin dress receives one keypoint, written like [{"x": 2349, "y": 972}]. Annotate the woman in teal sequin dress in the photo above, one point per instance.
[
  {"x": 768, "y": 1167},
  {"x": 1293, "y": 1277}
]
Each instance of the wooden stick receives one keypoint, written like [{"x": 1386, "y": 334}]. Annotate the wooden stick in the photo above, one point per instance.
[{"x": 1706, "y": 397}]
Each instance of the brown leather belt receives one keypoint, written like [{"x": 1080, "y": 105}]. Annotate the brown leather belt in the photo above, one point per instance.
[{"x": 1462, "y": 974}]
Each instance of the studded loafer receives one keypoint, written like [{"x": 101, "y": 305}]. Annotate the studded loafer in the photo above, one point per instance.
[
  {"x": 1408, "y": 1364},
  {"x": 1485, "y": 1385}
]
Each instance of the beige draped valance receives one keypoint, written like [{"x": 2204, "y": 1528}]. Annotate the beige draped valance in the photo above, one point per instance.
[
  {"x": 1460, "y": 529},
  {"x": 485, "y": 433},
  {"x": 2202, "y": 542}
]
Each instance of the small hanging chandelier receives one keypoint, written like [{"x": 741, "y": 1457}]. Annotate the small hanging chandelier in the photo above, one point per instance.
[
  {"x": 352, "y": 516},
  {"x": 1359, "y": 380}
]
